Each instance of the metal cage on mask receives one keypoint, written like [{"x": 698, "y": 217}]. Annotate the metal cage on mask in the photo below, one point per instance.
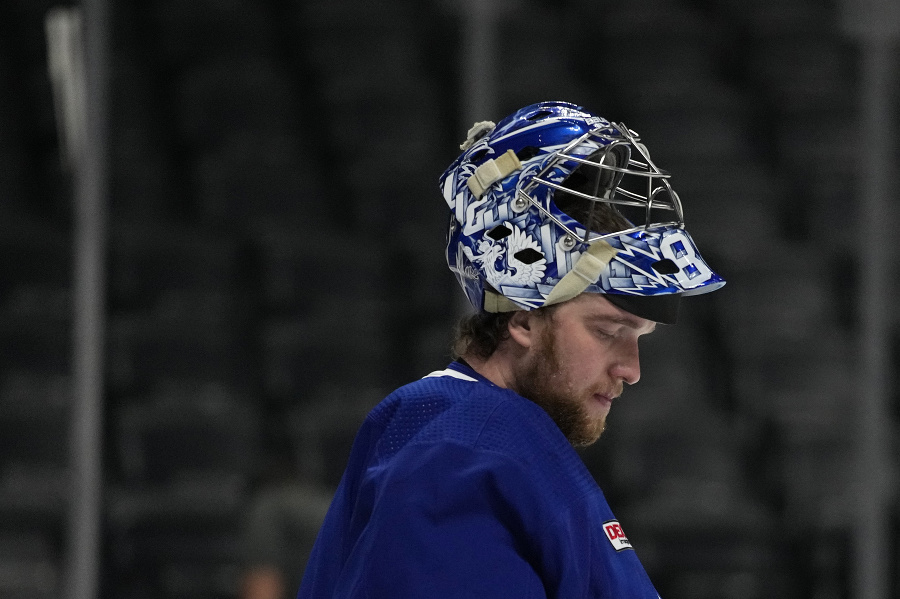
[{"x": 614, "y": 149}]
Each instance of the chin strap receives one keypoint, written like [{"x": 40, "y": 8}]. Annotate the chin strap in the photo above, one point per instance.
[{"x": 585, "y": 272}]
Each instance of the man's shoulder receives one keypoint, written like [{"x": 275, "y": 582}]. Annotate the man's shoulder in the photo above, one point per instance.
[
  {"x": 456, "y": 405},
  {"x": 440, "y": 388},
  {"x": 448, "y": 404},
  {"x": 471, "y": 422}
]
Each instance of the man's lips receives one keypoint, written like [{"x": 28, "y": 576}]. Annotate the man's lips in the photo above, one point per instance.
[{"x": 606, "y": 400}]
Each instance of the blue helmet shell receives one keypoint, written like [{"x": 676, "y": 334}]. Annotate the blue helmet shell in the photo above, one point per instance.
[{"x": 508, "y": 237}]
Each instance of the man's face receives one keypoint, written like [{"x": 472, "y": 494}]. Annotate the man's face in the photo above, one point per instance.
[{"x": 582, "y": 354}]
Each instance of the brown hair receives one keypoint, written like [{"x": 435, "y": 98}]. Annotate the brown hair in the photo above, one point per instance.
[{"x": 481, "y": 333}]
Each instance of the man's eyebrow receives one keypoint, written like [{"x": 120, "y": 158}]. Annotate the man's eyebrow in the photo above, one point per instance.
[{"x": 625, "y": 321}]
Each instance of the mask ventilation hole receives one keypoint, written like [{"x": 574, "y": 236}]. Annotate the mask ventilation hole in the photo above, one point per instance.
[
  {"x": 665, "y": 267},
  {"x": 528, "y": 256},
  {"x": 477, "y": 155},
  {"x": 499, "y": 232},
  {"x": 527, "y": 153},
  {"x": 539, "y": 115}
]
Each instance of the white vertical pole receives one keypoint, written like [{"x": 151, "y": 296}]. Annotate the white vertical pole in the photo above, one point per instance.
[
  {"x": 871, "y": 577},
  {"x": 77, "y": 43},
  {"x": 478, "y": 61},
  {"x": 875, "y": 25}
]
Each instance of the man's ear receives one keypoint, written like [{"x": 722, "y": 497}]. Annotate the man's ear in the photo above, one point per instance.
[{"x": 521, "y": 328}]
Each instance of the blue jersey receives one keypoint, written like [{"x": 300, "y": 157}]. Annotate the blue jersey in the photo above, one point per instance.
[{"x": 455, "y": 488}]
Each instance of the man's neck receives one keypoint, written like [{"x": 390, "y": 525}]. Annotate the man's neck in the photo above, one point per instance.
[{"x": 495, "y": 369}]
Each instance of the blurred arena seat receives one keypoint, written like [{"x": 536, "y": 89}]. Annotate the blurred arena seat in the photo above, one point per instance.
[
  {"x": 276, "y": 181},
  {"x": 231, "y": 96},
  {"x": 186, "y": 34},
  {"x": 29, "y": 566},
  {"x": 184, "y": 456},
  {"x": 303, "y": 352}
]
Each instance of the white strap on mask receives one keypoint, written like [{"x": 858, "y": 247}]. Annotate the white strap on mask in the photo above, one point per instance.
[
  {"x": 585, "y": 272},
  {"x": 492, "y": 171}
]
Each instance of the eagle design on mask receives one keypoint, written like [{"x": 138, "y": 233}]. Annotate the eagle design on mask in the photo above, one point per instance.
[{"x": 501, "y": 266}]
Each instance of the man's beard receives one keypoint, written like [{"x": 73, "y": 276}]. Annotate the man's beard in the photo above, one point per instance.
[{"x": 542, "y": 382}]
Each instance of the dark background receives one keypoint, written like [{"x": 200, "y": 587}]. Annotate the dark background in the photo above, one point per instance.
[{"x": 275, "y": 265}]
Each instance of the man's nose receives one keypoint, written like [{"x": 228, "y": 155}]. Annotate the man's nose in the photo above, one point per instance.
[{"x": 627, "y": 366}]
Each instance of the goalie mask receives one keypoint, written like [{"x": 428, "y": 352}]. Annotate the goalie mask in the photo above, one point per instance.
[{"x": 554, "y": 201}]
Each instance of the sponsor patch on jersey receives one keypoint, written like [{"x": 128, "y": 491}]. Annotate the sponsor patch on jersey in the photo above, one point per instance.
[{"x": 615, "y": 535}]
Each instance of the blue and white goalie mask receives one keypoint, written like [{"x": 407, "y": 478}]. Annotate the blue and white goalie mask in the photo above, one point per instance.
[{"x": 554, "y": 201}]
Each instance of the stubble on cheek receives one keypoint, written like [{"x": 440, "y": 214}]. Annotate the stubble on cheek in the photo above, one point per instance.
[{"x": 544, "y": 382}]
